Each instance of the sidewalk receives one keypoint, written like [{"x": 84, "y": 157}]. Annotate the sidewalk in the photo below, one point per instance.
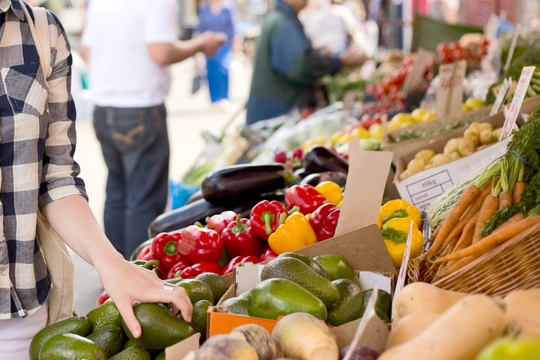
[{"x": 188, "y": 116}]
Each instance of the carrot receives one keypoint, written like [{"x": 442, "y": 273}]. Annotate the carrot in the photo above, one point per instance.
[
  {"x": 468, "y": 196},
  {"x": 505, "y": 199},
  {"x": 490, "y": 205},
  {"x": 519, "y": 188},
  {"x": 456, "y": 266},
  {"x": 512, "y": 220},
  {"x": 493, "y": 239},
  {"x": 468, "y": 230}
]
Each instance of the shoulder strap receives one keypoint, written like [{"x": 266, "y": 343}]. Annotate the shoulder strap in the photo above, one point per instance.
[{"x": 40, "y": 33}]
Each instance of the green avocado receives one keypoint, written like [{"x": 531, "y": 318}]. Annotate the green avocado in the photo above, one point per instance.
[
  {"x": 79, "y": 325},
  {"x": 109, "y": 338},
  {"x": 336, "y": 267},
  {"x": 216, "y": 283},
  {"x": 273, "y": 298},
  {"x": 132, "y": 353},
  {"x": 70, "y": 347},
  {"x": 199, "y": 318},
  {"x": 298, "y": 272},
  {"x": 196, "y": 290},
  {"x": 103, "y": 315},
  {"x": 383, "y": 306},
  {"x": 350, "y": 305},
  {"x": 309, "y": 262},
  {"x": 236, "y": 305},
  {"x": 160, "y": 328}
]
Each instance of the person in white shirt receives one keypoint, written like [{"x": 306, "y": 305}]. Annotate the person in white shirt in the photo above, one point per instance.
[{"x": 129, "y": 45}]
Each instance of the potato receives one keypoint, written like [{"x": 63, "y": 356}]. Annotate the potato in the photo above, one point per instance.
[
  {"x": 416, "y": 164},
  {"x": 404, "y": 175},
  {"x": 425, "y": 154},
  {"x": 440, "y": 159},
  {"x": 451, "y": 146},
  {"x": 496, "y": 134},
  {"x": 475, "y": 126},
  {"x": 486, "y": 137},
  {"x": 485, "y": 126},
  {"x": 466, "y": 147},
  {"x": 472, "y": 135},
  {"x": 455, "y": 156}
]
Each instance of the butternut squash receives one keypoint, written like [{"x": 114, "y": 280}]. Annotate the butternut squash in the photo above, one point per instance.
[
  {"x": 410, "y": 326},
  {"x": 458, "y": 334},
  {"x": 524, "y": 330},
  {"x": 423, "y": 297},
  {"x": 523, "y": 305}
]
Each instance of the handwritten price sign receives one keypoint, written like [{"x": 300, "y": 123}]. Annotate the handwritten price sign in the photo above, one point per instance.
[{"x": 517, "y": 100}]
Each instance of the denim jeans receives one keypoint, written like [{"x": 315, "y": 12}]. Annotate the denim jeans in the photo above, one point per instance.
[{"x": 135, "y": 146}]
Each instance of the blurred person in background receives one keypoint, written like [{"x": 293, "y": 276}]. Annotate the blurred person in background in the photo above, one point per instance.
[
  {"x": 129, "y": 46},
  {"x": 217, "y": 16},
  {"x": 39, "y": 175},
  {"x": 286, "y": 66}
]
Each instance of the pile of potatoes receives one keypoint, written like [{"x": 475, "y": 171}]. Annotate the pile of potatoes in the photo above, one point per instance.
[{"x": 477, "y": 136}]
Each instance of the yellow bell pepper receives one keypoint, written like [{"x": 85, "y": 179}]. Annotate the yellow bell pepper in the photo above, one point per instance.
[
  {"x": 318, "y": 141},
  {"x": 293, "y": 234},
  {"x": 395, "y": 233},
  {"x": 330, "y": 191},
  {"x": 399, "y": 209}
]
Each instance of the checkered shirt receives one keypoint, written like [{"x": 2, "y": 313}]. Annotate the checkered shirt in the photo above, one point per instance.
[{"x": 37, "y": 143}]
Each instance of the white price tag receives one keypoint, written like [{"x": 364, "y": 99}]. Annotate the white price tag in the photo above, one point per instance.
[
  {"x": 512, "y": 47},
  {"x": 517, "y": 100},
  {"x": 404, "y": 263},
  {"x": 415, "y": 76},
  {"x": 446, "y": 73},
  {"x": 456, "y": 94},
  {"x": 501, "y": 96}
]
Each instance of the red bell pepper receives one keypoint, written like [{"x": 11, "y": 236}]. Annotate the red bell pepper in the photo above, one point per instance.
[
  {"x": 145, "y": 250},
  {"x": 268, "y": 254},
  {"x": 240, "y": 240},
  {"x": 178, "y": 267},
  {"x": 164, "y": 248},
  {"x": 239, "y": 260},
  {"x": 219, "y": 222},
  {"x": 102, "y": 298},
  {"x": 264, "y": 217},
  {"x": 200, "y": 244},
  {"x": 199, "y": 268},
  {"x": 324, "y": 221},
  {"x": 306, "y": 197}
]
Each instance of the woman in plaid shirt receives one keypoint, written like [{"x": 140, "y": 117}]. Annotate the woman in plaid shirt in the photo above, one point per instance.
[{"x": 37, "y": 172}]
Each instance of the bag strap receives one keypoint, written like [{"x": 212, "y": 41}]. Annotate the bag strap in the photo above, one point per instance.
[{"x": 40, "y": 33}]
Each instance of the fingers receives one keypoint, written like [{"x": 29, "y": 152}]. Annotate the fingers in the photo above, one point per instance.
[
  {"x": 126, "y": 310},
  {"x": 181, "y": 302}
]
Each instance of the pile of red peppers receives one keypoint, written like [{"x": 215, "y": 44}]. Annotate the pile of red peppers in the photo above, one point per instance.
[{"x": 227, "y": 240}]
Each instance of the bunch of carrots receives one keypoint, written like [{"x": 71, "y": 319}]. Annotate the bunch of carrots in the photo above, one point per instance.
[{"x": 502, "y": 203}]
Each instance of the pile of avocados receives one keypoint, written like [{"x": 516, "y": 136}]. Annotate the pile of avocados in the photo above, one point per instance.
[
  {"x": 325, "y": 286},
  {"x": 102, "y": 334}
]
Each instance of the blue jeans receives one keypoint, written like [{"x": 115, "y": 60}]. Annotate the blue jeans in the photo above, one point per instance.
[{"x": 135, "y": 146}]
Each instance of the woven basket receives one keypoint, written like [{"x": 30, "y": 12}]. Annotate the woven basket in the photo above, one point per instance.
[{"x": 514, "y": 265}]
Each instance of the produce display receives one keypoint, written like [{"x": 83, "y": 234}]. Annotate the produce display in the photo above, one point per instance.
[{"x": 477, "y": 136}]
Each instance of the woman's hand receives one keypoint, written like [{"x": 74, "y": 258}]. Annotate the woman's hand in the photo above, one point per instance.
[{"x": 128, "y": 284}]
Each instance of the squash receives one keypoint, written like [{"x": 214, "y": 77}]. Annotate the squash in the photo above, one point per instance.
[
  {"x": 524, "y": 330},
  {"x": 458, "y": 334},
  {"x": 523, "y": 305},
  {"x": 423, "y": 297},
  {"x": 410, "y": 326}
]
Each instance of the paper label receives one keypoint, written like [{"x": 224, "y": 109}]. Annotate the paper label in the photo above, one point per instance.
[
  {"x": 517, "y": 100},
  {"x": 415, "y": 76},
  {"x": 501, "y": 96},
  {"x": 368, "y": 171},
  {"x": 456, "y": 94},
  {"x": 404, "y": 263},
  {"x": 446, "y": 73},
  {"x": 369, "y": 312},
  {"x": 369, "y": 280},
  {"x": 247, "y": 276},
  {"x": 183, "y": 348},
  {"x": 512, "y": 47}
]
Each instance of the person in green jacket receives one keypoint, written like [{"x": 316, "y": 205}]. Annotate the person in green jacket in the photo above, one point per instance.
[{"x": 286, "y": 66}]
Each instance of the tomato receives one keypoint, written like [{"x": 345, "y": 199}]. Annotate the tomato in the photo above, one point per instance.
[
  {"x": 370, "y": 88},
  {"x": 459, "y": 54},
  {"x": 367, "y": 120},
  {"x": 379, "y": 91}
]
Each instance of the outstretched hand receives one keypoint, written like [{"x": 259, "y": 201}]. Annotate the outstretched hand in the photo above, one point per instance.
[
  {"x": 128, "y": 284},
  {"x": 211, "y": 42}
]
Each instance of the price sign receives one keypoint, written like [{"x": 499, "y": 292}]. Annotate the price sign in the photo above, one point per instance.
[
  {"x": 517, "y": 100},
  {"x": 501, "y": 96},
  {"x": 446, "y": 73},
  {"x": 456, "y": 94},
  {"x": 404, "y": 264}
]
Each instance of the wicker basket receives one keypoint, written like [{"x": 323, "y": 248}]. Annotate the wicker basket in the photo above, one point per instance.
[{"x": 514, "y": 265}]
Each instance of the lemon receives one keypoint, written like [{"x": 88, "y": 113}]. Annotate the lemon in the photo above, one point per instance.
[
  {"x": 361, "y": 132},
  {"x": 334, "y": 138},
  {"x": 474, "y": 103},
  {"x": 418, "y": 114},
  {"x": 400, "y": 120},
  {"x": 428, "y": 116},
  {"x": 375, "y": 131}
]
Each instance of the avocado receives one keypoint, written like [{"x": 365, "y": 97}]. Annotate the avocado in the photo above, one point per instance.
[
  {"x": 199, "y": 317},
  {"x": 217, "y": 284},
  {"x": 161, "y": 356},
  {"x": 129, "y": 343},
  {"x": 109, "y": 338},
  {"x": 244, "y": 295},
  {"x": 383, "y": 304},
  {"x": 272, "y": 298},
  {"x": 104, "y": 315},
  {"x": 160, "y": 328},
  {"x": 336, "y": 267},
  {"x": 196, "y": 290},
  {"x": 298, "y": 272},
  {"x": 132, "y": 353},
  {"x": 79, "y": 325},
  {"x": 69, "y": 347},
  {"x": 308, "y": 261},
  {"x": 350, "y": 305},
  {"x": 236, "y": 305}
]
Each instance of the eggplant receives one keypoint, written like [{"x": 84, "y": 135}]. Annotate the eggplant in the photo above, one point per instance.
[
  {"x": 194, "y": 197},
  {"x": 199, "y": 211},
  {"x": 316, "y": 178},
  {"x": 239, "y": 183},
  {"x": 320, "y": 159}
]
